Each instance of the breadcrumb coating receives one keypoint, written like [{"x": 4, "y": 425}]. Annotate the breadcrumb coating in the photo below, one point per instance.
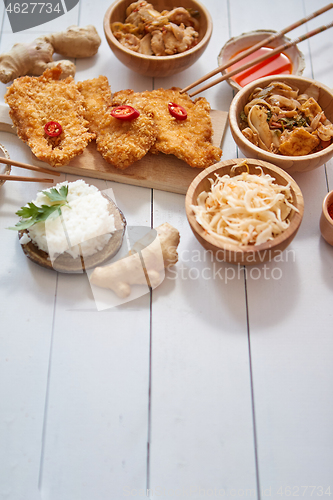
[
  {"x": 190, "y": 139},
  {"x": 84, "y": 113},
  {"x": 120, "y": 142},
  {"x": 34, "y": 101}
]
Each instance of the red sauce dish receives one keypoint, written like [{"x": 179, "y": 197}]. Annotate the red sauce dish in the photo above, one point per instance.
[{"x": 276, "y": 65}]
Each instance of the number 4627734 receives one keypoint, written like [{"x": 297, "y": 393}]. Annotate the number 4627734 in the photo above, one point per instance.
[
  {"x": 31, "y": 7},
  {"x": 304, "y": 491}
]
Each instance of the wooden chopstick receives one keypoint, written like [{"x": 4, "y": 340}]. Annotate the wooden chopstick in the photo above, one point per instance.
[
  {"x": 277, "y": 50},
  {"x": 252, "y": 49},
  {"x": 5, "y": 177},
  {"x": 9, "y": 161}
]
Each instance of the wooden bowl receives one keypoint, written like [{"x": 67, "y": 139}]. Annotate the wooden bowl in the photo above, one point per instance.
[
  {"x": 158, "y": 66},
  {"x": 291, "y": 164},
  {"x": 326, "y": 221},
  {"x": 249, "y": 254},
  {"x": 245, "y": 40}
]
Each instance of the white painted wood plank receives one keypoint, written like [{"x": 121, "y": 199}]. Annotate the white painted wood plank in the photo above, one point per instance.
[
  {"x": 26, "y": 304},
  {"x": 329, "y": 167},
  {"x": 291, "y": 344},
  {"x": 201, "y": 420},
  {"x": 290, "y": 330},
  {"x": 97, "y": 407},
  {"x": 96, "y": 432},
  {"x": 201, "y": 440},
  {"x": 126, "y": 407},
  {"x": 320, "y": 46}
]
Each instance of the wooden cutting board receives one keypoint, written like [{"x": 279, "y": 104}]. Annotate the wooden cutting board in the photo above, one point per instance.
[{"x": 164, "y": 172}]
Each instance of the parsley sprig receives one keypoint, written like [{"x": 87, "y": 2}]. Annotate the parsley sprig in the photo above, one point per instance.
[{"x": 31, "y": 214}]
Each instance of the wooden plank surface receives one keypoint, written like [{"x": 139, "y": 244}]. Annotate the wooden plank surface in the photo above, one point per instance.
[
  {"x": 208, "y": 388},
  {"x": 27, "y": 295},
  {"x": 201, "y": 442},
  {"x": 95, "y": 440},
  {"x": 201, "y": 409},
  {"x": 290, "y": 316}
]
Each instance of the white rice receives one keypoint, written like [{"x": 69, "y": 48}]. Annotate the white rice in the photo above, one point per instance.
[
  {"x": 84, "y": 227},
  {"x": 25, "y": 238}
]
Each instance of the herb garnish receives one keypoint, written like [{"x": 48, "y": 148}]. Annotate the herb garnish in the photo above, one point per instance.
[
  {"x": 33, "y": 214},
  {"x": 243, "y": 117}
]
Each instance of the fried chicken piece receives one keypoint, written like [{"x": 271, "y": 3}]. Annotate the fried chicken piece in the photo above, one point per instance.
[
  {"x": 35, "y": 101},
  {"x": 180, "y": 15},
  {"x": 120, "y": 142},
  {"x": 190, "y": 139},
  {"x": 172, "y": 39},
  {"x": 128, "y": 40}
]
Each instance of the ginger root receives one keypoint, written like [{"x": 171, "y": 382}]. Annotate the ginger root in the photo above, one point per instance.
[
  {"x": 35, "y": 57},
  {"x": 145, "y": 266},
  {"x": 75, "y": 42}
]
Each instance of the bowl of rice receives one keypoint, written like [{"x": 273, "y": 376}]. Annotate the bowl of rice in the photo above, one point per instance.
[
  {"x": 244, "y": 211},
  {"x": 86, "y": 231}
]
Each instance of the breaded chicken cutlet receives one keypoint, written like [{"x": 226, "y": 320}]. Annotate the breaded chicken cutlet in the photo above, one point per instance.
[
  {"x": 120, "y": 142},
  {"x": 36, "y": 102},
  {"x": 188, "y": 139}
]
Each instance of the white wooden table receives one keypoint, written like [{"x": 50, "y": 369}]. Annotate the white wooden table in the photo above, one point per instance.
[{"x": 218, "y": 383}]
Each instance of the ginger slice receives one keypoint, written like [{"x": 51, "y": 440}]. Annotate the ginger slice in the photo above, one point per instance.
[{"x": 142, "y": 267}]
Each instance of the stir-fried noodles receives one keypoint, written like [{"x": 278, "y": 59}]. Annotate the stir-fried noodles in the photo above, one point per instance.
[{"x": 279, "y": 119}]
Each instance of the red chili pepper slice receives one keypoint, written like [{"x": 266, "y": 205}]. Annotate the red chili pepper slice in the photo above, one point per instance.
[
  {"x": 125, "y": 113},
  {"x": 53, "y": 129},
  {"x": 177, "y": 111}
]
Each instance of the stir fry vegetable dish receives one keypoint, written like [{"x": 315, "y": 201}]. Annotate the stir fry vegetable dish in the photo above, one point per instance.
[{"x": 279, "y": 119}]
